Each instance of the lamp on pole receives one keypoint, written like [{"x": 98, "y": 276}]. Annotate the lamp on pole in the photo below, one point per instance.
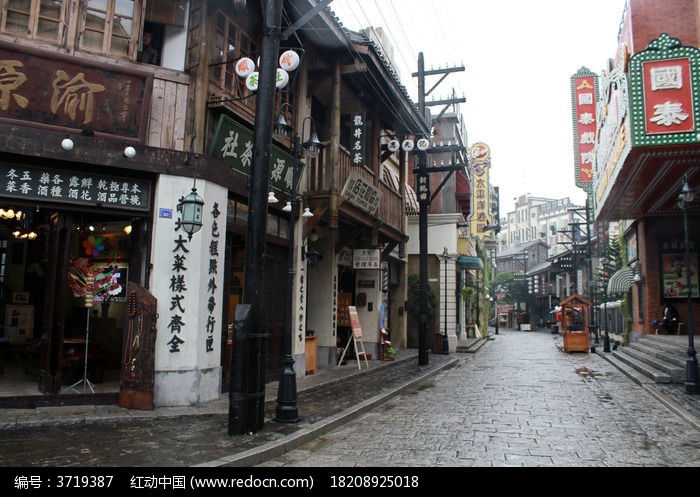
[
  {"x": 445, "y": 343},
  {"x": 606, "y": 337},
  {"x": 691, "y": 364},
  {"x": 524, "y": 257},
  {"x": 496, "y": 228},
  {"x": 287, "y": 410}
]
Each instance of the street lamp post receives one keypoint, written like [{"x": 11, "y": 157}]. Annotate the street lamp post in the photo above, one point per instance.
[
  {"x": 524, "y": 257},
  {"x": 606, "y": 337},
  {"x": 691, "y": 364},
  {"x": 495, "y": 310},
  {"x": 287, "y": 410},
  {"x": 445, "y": 343}
]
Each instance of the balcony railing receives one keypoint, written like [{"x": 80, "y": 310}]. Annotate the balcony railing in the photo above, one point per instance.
[{"x": 391, "y": 207}]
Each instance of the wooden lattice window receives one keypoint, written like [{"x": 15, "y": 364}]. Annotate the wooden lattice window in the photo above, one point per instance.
[
  {"x": 230, "y": 44},
  {"x": 35, "y": 19},
  {"x": 110, "y": 27}
]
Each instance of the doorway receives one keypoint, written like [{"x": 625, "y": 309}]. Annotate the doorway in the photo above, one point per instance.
[{"x": 64, "y": 278}]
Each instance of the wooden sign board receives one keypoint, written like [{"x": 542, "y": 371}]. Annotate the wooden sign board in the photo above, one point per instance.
[{"x": 355, "y": 322}]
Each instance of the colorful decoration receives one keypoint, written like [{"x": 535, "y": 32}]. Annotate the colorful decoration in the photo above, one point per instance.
[
  {"x": 89, "y": 281},
  {"x": 94, "y": 245}
]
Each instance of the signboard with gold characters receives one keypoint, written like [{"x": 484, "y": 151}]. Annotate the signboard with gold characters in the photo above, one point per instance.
[{"x": 480, "y": 160}]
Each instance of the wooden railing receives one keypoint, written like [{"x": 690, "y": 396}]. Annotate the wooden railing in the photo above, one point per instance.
[{"x": 391, "y": 207}]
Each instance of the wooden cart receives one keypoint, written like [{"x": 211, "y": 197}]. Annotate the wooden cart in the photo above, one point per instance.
[{"x": 574, "y": 323}]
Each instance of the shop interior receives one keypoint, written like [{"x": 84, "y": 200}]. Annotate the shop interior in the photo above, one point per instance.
[{"x": 95, "y": 303}]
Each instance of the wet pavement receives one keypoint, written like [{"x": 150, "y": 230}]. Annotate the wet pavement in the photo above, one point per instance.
[
  {"x": 101, "y": 436},
  {"x": 551, "y": 401},
  {"x": 520, "y": 402}
]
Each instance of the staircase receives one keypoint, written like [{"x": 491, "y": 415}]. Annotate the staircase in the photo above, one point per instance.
[{"x": 653, "y": 358}]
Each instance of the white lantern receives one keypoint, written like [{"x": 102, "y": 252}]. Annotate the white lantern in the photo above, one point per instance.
[
  {"x": 282, "y": 78},
  {"x": 423, "y": 144},
  {"x": 251, "y": 82},
  {"x": 407, "y": 145},
  {"x": 393, "y": 146},
  {"x": 289, "y": 60},
  {"x": 244, "y": 67}
]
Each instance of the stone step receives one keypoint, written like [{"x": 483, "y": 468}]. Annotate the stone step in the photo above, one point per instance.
[
  {"x": 655, "y": 374},
  {"x": 657, "y": 354}
]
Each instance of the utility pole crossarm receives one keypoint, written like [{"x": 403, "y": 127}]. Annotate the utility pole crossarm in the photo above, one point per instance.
[{"x": 447, "y": 102}]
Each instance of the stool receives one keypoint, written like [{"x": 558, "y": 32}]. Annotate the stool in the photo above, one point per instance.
[{"x": 679, "y": 326}]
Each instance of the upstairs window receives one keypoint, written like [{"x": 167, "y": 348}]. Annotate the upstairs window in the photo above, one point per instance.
[
  {"x": 109, "y": 27},
  {"x": 35, "y": 19}
]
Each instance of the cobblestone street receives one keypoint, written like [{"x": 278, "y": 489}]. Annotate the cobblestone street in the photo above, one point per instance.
[{"x": 520, "y": 401}]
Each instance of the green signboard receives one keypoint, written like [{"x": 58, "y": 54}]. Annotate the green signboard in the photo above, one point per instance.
[
  {"x": 233, "y": 143},
  {"x": 665, "y": 94}
]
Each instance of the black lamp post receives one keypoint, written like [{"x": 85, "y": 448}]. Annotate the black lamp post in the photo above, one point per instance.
[
  {"x": 606, "y": 337},
  {"x": 691, "y": 364},
  {"x": 445, "y": 343},
  {"x": 287, "y": 410},
  {"x": 524, "y": 257},
  {"x": 494, "y": 299}
]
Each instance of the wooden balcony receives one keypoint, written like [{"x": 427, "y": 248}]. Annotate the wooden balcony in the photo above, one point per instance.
[{"x": 327, "y": 181}]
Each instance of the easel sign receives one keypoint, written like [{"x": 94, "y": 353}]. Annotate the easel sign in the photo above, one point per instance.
[
  {"x": 355, "y": 323},
  {"x": 356, "y": 337}
]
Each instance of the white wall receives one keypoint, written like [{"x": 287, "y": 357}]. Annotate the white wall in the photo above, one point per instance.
[{"x": 189, "y": 372}]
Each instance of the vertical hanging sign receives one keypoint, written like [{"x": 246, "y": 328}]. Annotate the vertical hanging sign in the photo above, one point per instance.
[
  {"x": 480, "y": 160},
  {"x": 584, "y": 95},
  {"x": 357, "y": 140}
]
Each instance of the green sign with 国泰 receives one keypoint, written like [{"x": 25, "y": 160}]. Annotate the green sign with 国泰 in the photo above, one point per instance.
[
  {"x": 233, "y": 143},
  {"x": 664, "y": 93}
]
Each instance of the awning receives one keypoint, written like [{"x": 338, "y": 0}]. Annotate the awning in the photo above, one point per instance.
[
  {"x": 621, "y": 281},
  {"x": 470, "y": 262}
]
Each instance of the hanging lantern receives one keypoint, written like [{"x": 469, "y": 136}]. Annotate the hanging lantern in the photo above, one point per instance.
[
  {"x": 423, "y": 144},
  {"x": 251, "y": 82},
  {"x": 244, "y": 67},
  {"x": 191, "y": 209},
  {"x": 289, "y": 60},
  {"x": 282, "y": 78}
]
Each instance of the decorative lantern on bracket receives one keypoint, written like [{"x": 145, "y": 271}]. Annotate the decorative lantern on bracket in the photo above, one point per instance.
[
  {"x": 191, "y": 210},
  {"x": 245, "y": 68}
]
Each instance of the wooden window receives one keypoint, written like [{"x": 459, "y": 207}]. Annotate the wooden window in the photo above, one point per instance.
[
  {"x": 36, "y": 19},
  {"x": 230, "y": 44},
  {"x": 110, "y": 27}
]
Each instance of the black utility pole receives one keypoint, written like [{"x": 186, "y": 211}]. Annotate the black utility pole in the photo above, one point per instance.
[
  {"x": 422, "y": 172},
  {"x": 247, "y": 395}
]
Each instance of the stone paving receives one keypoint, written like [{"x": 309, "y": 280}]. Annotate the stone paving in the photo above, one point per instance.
[
  {"x": 101, "y": 436},
  {"x": 517, "y": 401},
  {"x": 521, "y": 402}
]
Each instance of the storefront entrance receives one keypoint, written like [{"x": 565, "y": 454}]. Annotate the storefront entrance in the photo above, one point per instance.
[{"x": 63, "y": 292}]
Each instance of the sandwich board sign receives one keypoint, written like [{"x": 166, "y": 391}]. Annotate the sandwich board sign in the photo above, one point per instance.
[{"x": 356, "y": 338}]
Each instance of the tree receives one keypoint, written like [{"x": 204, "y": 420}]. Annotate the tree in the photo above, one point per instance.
[{"x": 511, "y": 287}]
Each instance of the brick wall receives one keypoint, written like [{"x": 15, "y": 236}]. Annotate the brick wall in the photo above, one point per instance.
[{"x": 650, "y": 18}]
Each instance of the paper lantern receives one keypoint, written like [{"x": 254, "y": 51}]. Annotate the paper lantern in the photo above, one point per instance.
[
  {"x": 244, "y": 67},
  {"x": 289, "y": 60}
]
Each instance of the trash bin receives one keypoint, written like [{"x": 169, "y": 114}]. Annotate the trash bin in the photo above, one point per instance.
[{"x": 555, "y": 328}]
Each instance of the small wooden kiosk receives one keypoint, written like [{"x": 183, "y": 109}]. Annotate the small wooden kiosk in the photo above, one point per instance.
[{"x": 574, "y": 323}]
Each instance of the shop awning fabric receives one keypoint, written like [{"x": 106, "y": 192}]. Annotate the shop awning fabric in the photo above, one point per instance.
[
  {"x": 621, "y": 281},
  {"x": 470, "y": 262}
]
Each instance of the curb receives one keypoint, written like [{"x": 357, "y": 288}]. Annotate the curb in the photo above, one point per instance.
[
  {"x": 269, "y": 450},
  {"x": 649, "y": 387}
]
